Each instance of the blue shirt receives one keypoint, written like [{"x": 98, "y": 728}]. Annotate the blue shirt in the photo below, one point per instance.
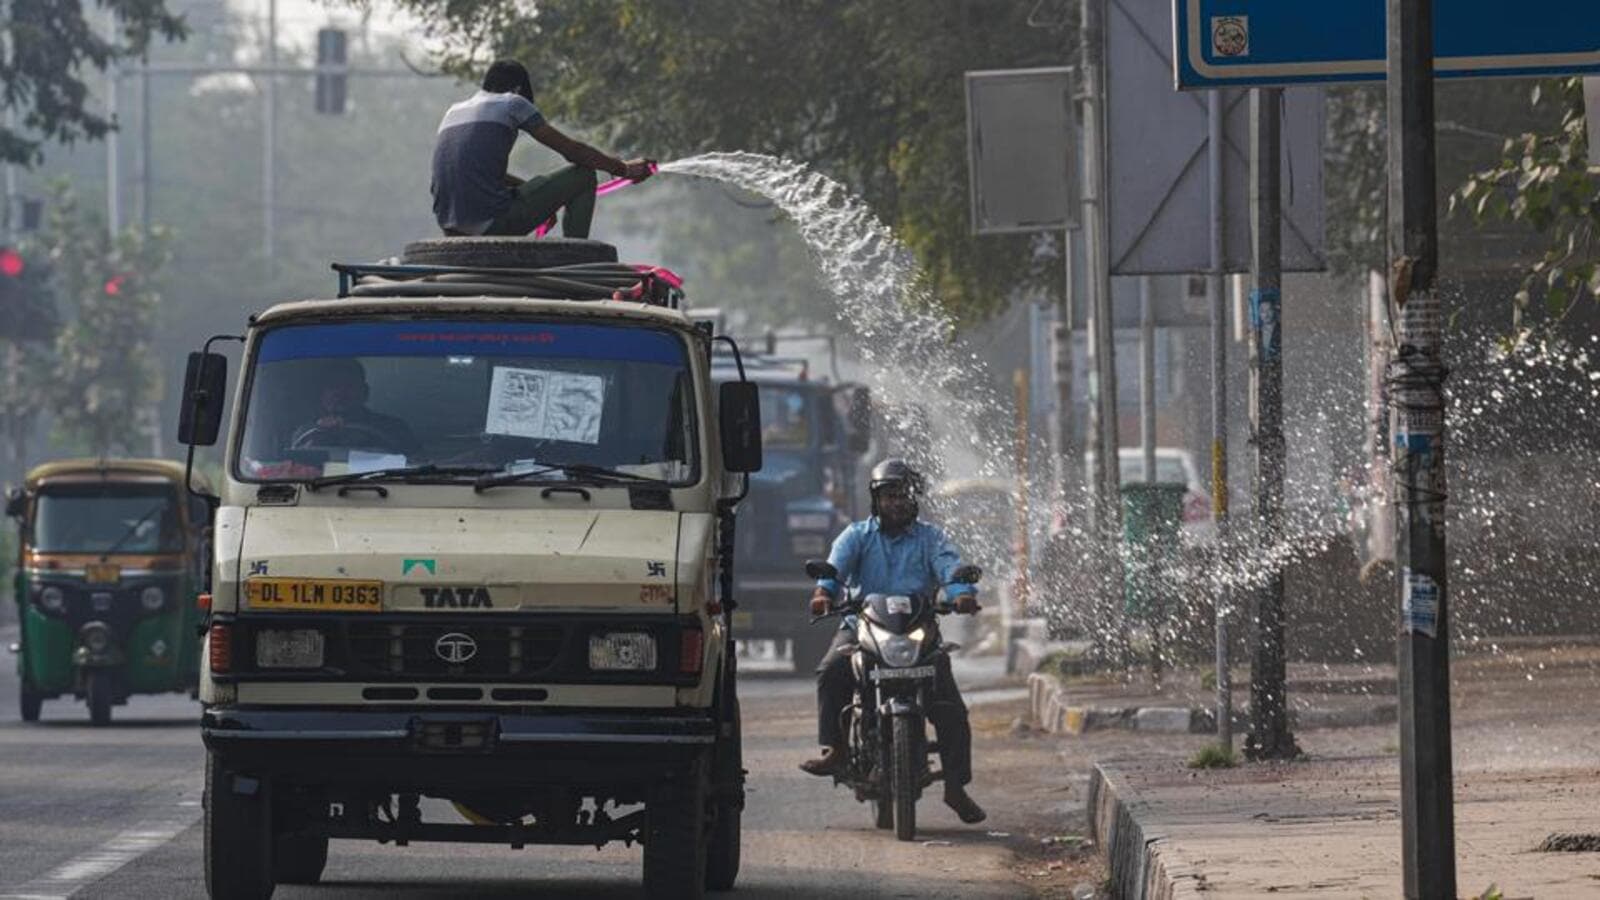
[
  {"x": 917, "y": 560},
  {"x": 470, "y": 155}
]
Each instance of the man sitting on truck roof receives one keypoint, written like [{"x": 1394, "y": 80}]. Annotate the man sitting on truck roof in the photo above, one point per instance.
[{"x": 473, "y": 194}]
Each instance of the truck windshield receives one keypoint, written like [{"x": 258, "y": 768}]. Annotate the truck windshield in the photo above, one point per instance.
[
  {"x": 105, "y": 518},
  {"x": 785, "y": 421},
  {"x": 333, "y": 399}
]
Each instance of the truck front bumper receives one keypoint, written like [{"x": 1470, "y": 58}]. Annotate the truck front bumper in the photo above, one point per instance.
[{"x": 430, "y": 750}]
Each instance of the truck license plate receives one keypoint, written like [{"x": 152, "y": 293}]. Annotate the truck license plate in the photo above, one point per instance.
[
  {"x": 314, "y": 593},
  {"x": 913, "y": 672}
]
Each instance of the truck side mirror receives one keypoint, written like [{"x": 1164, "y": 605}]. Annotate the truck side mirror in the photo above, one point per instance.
[
  {"x": 740, "y": 405},
  {"x": 205, "y": 384},
  {"x": 16, "y": 503},
  {"x": 860, "y": 420}
]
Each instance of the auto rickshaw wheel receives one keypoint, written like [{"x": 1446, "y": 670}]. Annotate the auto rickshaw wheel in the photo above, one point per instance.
[
  {"x": 237, "y": 835},
  {"x": 29, "y": 701},
  {"x": 99, "y": 691}
]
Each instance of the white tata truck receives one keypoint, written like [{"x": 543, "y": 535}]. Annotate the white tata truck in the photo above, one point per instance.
[{"x": 473, "y": 546}]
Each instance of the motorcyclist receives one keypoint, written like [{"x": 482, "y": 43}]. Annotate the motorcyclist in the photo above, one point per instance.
[{"x": 892, "y": 552}]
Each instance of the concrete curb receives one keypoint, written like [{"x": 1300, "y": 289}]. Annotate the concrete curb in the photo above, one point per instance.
[
  {"x": 1142, "y": 866},
  {"x": 1051, "y": 710}
]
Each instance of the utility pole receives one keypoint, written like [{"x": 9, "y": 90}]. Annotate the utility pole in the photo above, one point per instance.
[
  {"x": 8, "y": 172},
  {"x": 1427, "y": 813},
  {"x": 1269, "y": 715},
  {"x": 145, "y": 161},
  {"x": 113, "y": 145},
  {"x": 269, "y": 132},
  {"x": 1219, "y": 412},
  {"x": 1107, "y": 489},
  {"x": 1067, "y": 453},
  {"x": 1147, "y": 380}
]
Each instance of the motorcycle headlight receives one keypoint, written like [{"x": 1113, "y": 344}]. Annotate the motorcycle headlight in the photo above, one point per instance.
[
  {"x": 896, "y": 650},
  {"x": 51, "y": 599},
  {"x": 152, "y": 598}
]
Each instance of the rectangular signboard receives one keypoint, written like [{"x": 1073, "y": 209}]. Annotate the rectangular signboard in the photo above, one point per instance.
[
  {"x": 1022, "y": 150},
  {"x": 1266, "y": 42}
]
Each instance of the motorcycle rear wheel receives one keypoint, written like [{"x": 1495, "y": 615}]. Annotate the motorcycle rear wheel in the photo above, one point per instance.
[{"x": 904, "y": 781}]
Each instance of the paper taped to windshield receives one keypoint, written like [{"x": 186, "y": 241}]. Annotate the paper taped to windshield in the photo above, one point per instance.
[{"x": 545, "y": 404}]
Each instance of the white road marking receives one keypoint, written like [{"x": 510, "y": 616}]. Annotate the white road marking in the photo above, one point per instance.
[{"x": 124, "y": 847}]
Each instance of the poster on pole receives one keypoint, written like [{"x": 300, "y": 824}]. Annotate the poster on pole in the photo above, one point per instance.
[{"x": 1022, "y": 150}]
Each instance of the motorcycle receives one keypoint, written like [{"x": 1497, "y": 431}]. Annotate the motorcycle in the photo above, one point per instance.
[{"x": 894, "y": 660}]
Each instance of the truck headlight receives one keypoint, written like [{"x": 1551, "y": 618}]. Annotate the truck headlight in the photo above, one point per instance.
[
  {"x": 96, "y": 636},
  {"x": 622, "y": 651},
  {"x": 289, "y": 648},
  {"x": 51, "y": 599},
  {"x": 152, "y": 598}
]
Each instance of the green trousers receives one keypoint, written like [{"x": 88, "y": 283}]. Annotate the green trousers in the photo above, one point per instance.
[{"x": 537, "y": 199}]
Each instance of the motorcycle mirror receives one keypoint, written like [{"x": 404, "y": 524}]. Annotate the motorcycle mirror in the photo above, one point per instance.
[
  {"x": 967, "y": 574},
  {"x": 820, "y": 569}
]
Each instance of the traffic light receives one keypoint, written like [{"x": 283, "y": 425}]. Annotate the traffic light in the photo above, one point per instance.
[
  {"x": 27, "y": 311},
  {"x": 331, "y": 85}
]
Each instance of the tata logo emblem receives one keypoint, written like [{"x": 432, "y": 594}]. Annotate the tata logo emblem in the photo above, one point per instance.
[
  {"x": 457, "y": 598},
  {"x": 455, "y": 648}
]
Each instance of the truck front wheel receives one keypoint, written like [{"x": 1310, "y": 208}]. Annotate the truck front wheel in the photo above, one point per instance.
[
  {"x": 237, "y": 835},
  {"x": 675, "y": 841}
]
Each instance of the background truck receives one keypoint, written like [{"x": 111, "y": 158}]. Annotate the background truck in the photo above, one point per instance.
[
  {"x": 815, "y": 435},
  {"x": 472, "y": 554}
]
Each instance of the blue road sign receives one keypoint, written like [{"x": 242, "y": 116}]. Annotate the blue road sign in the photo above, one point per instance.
[{"x": 1219, "y": 43}]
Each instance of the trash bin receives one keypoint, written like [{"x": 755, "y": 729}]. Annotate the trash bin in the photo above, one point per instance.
[{"x": 1151, "y": 517}]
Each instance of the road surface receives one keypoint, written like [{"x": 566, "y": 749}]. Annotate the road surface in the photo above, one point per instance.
[{"x": 113, "y": 813}]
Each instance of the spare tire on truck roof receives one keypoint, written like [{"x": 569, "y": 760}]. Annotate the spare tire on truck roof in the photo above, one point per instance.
[{"x": 507, "y": 252}]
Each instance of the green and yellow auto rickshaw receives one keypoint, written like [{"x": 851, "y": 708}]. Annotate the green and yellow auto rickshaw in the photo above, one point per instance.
[{"x": 112, "y": 557}]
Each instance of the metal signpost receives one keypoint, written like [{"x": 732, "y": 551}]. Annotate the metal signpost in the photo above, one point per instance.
[
  {"x": 1427, "y": 812},
  {"x": 1240, "y": 42}
]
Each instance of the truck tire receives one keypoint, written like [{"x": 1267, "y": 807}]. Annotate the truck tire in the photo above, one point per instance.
[
  {"x": 98, "y": 690},
  {"x": 28, "y": 702},
  {"x": 903, "y": 780},
  {"x": 299, "y": 858},
  {"x": 727, "y": 811},
  {"x": 675, "y": 842},
  {"x": 237, "y": 835},
  {"x": 507, "y": 252}
]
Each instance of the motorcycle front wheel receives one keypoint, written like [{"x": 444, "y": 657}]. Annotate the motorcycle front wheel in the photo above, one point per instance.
[{"x": 904, "y": 781}]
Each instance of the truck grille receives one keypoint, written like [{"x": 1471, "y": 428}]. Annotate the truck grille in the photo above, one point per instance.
[{"x": 408, "y": 649}]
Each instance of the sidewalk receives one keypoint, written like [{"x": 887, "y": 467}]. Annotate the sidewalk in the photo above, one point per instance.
[{"x": 1527, "y": 751}]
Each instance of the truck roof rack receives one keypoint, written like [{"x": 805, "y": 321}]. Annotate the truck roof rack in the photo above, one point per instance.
[{"x": 585, "y": 281}]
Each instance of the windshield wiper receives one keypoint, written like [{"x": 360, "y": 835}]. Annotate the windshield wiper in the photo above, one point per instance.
[
  {"x": 577, "y": 472},
  {"x": 133, "y": 529},
  {"x": 404, "y": 473}
]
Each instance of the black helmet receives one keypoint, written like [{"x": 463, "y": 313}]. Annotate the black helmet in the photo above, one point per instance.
[
  {"x": 896, "y": 471},
  {"x": 903, "y": 484}
]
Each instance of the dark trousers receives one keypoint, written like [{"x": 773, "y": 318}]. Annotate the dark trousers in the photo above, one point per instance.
[
  {"x": 947, "y": 711},
  {"x": 570, "y": 188}
]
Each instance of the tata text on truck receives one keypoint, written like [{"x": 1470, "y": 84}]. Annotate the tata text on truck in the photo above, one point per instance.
[
  {"x": 814, "y": 434},
  {"x": 471, "y": 558}
]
